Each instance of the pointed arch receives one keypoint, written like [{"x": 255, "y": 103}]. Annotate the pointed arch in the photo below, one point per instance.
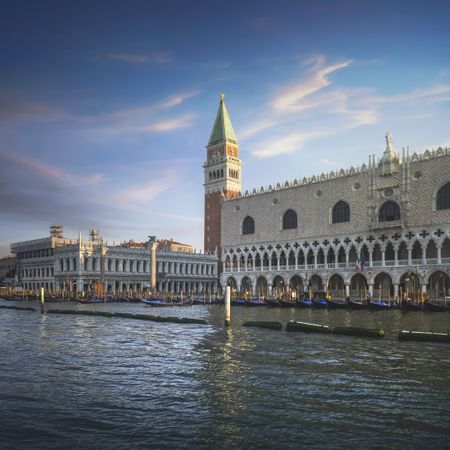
[
  {"x": 248, "y": 225},
  {"x": 443, "y": 197},
  {"x": 341, "y": 212},
  {"x": 289, "y": 220},
  {"x": 389, "y": 212}
]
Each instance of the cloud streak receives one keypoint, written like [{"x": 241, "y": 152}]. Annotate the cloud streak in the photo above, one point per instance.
[{"x": 314, "y": 108}]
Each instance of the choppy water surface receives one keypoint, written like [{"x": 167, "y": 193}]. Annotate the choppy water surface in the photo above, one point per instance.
[{"x": 94, "y": 382}]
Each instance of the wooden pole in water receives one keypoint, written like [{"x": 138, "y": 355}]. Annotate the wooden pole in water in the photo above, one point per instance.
[
  {"x": 227, "y": 306},
  {"x": 42, "y": 301}
]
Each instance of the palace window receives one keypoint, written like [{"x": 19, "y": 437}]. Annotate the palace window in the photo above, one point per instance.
[
  {"x": 289, "y": 220},
  {"x": 443, "y": 197},
  {"x": 341, "y": 212},
  {"x": 388, "y": 212},
  {"x": 248, "y": 226}
]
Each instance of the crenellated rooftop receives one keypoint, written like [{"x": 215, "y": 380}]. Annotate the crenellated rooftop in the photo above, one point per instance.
[{"x": 352, "y": 171}]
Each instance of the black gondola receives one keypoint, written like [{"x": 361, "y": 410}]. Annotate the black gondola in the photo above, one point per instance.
[
  {"x": 337, "y": 304},
  {"x": 409, "y": 306},
  {"x": 377, "y": 305},
  {"x": 356, "y": 305},
  {"x": 435, "y": 307}
]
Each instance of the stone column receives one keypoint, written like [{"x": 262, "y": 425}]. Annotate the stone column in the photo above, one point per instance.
[
  {"x": 153, "y": 247},
  {"x": 370, "y": 257},
  {"x": 424, "y": 246},
  {"x": 254, "y": 264},
  {"x": 239, "y": 264},
  {"x": 383, "y": 257},
  {"x": 296, "y": 261},
  {"x": 396, "y": 292},
  {"x": 347, "y": 258},
  {"x": 439, "y": 254},
  {"x": 371, "y": 290},
  {"x": 315, "y": 260},
  {"x": 409, "y": 256},
  {"x": 278, "y": 262},
  {"x": 347, "y": 289}
]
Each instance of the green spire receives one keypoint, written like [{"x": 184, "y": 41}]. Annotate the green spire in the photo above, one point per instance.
[{"x": 223, "y": 129}]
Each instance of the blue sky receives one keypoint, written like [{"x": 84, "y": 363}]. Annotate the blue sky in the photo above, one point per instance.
[{"x": 106, "y": 107}]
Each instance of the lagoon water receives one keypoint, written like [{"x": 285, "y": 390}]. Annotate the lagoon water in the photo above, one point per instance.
[{"x": 94, "y": 382}]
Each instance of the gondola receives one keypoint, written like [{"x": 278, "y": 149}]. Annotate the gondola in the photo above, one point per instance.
[
  {"x": 158, "y": 302},
  {"x": 337, "y": 304},
  {"x": 320, "y": 303},
  {"x": 273, "y": 303},
  {"x": 356, "y": 304},
  {"x": 435, "y": 307},
  {"x": 255, "y": 302},
  {"x": 409, "y": 306},
  {"x": 287, "y": 304},
  {"x": 377, "y": 305},
  {"x": 238, "y": 302},
  {"x": 306, "y": 303}
]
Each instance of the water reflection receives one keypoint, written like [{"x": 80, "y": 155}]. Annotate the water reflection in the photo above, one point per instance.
[{"x": 117, "y": 383}]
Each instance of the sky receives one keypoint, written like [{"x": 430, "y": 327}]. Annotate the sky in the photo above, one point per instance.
[{"x": 106, "y": 106}]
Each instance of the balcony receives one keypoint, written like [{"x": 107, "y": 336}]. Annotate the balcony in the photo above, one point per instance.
[
  {"x": 387, "y": 225},
  {"x": 351, "y": 265}
]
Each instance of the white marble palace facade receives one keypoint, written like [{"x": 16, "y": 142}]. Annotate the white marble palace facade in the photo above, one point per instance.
[
  {"x": 60, "y": 265},
  {"x": 381, "y": 229}
]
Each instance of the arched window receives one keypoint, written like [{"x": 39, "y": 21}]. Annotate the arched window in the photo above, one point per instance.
[
  {"x": 341, "y": 212},
  {"x": 289, "y": 220},
  {"x": 248, "y": 226},
  {"x": 388, "y": 212},
  {"x": 443, "y": 197}
]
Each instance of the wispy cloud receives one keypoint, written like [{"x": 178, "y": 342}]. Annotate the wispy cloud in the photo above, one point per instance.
[
  {"x": 143, "y": 194},
  {"x": 163, "y": 57},
  {"x": 174, "y": 123},
  {"x": 50, "y": 171},
  {"x": 291, "y": 98},
  {"x": 316, "y": 107},
  {"x": 178, "y": 99}
]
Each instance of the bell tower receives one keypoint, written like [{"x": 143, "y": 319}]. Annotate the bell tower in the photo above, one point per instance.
[{"x": 222, "y": 175}]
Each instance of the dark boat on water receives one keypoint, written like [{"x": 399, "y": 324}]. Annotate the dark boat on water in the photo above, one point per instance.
[
  {"x": 306, "y": 303},
  {"x": 435, "y": 307},
  {"x": 409, "y": 306},
  {"x": 337, "y": 304},
  {"x": 377, "y": 305},
  {"x": 255, "y": 302},
  {"x": 320, "y": 303},
  {"x": 353, "y": 304},
  {"x": 238, "y": 302}
]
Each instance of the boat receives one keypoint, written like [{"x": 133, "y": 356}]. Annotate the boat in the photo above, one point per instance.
[
  {"x": 377, "y": 305},
  {"x": 273, "y": 303},
  {"x": 306, "y": 303},
  {"x": 320, "y": 303},
  {"x": 354, "y": 304},
  {"x": 435, "y": 307},
  {"x": 91, "y": 300},
  {"x": 158, "y": 302},
  {"x": 409, "y": 306},
  {"x": 238, "y": 302},
  {"x": 255, "y": 302},
  {"x": 337, "y": 304}
]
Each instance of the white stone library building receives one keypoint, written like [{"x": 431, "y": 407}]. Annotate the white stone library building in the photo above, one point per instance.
[
  {"x": 64, "y": 265},
  {"x": 379, "y": 229}
]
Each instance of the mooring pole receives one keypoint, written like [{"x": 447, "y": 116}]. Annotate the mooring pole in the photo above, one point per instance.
[
  {"x": 42, "y": 300},
  {"x": 227, "y": 306}
]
